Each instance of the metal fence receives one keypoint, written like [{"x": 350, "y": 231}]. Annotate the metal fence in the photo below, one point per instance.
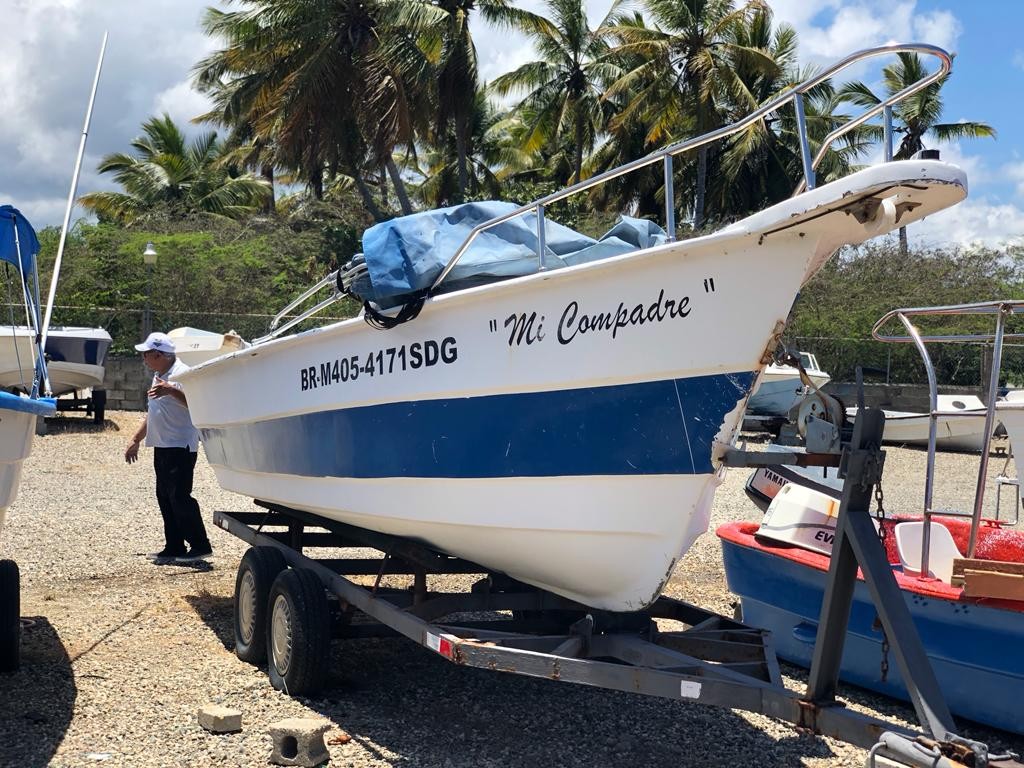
[{"x": 966, "y": 365}]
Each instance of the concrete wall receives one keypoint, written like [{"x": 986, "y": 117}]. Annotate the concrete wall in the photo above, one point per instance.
[{"x": 126, "y": 380}]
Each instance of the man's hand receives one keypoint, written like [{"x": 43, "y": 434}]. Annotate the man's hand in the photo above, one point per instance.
[
  {"x": 161, "y": 389},
  {"x": 131, "y": 453}
]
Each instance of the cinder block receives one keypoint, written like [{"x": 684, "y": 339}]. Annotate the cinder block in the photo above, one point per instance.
[
  {"x": 299, "y": 741},
  {"x": 218, "y": 719}
]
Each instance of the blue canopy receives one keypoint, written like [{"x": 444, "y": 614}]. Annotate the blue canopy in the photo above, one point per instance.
[
  {"x": 405, "y": 255},
  {"x": 12, "y": 221}
]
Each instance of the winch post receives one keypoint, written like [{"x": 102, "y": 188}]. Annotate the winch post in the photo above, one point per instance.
[{"x": 856, "y": 544}]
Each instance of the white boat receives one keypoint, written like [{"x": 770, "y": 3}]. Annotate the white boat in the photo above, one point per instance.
[
  {"x": 565, "y": 427},
  {"x": 75, "y": 357},
  {"x": 960, "y": 425},
  {"x": 194, "y": 346},
  {"x": 781, "y": 388},
  {"x": 18, "y": 414}
]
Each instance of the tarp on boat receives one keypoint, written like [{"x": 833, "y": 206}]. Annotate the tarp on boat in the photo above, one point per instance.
[
  {"x": 405, "y": 255},
  {"x": 13, "y": 222}
]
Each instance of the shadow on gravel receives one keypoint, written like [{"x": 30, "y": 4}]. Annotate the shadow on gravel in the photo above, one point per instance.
[
  {"x": 408, "y": 707},
  {"x": 218, "y": 614},
  {"x": 37, "y": 701},
  {"x": 78, "y": 425}
]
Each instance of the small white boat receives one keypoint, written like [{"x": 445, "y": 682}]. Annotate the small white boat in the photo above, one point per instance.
[
  {"x": 960, "y": 425},
  {"x": 76, "y": 358},
  {"x": 194, "y": 346},
  {"x": 564, "y": 426},
  {"x": 781, "y": 388}
]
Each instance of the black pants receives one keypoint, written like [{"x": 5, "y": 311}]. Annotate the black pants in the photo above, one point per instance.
[{"x": 182, "y": 520}]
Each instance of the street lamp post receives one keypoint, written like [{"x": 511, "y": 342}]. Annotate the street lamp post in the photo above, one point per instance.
[{"x": 149, "y": 258}]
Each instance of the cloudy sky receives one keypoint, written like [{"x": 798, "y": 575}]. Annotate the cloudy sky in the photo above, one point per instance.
[{"x": 50, "y": 58}]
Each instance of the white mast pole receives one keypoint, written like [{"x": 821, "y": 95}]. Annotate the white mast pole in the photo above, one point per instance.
[{"x": 71, "y": 195}]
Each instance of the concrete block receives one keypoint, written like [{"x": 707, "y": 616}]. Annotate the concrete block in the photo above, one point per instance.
[
  {"x": 299, "y": 741},
  {"x": 218, "y": 719}
]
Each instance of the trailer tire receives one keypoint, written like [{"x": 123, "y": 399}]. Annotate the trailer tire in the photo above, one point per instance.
[
  {"x": 256, "y": 574},
  {"x": 298, "y": 633},
  {"x": 10, "y": 616},
  {"x": 99, "y": 405}
]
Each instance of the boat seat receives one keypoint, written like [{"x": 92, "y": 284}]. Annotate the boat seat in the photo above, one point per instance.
[{"x": 942, "y": 550}]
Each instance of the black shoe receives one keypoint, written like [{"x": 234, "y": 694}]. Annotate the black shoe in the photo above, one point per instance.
[
  {"x": 195, "y": 554},
  {"x": 165, "y": 554}
]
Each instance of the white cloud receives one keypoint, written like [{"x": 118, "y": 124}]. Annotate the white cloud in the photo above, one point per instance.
[
  {"x": 974, "y": 221},
  {"x": 181, "y": 102},
  {"x": 46, "y": 73}
]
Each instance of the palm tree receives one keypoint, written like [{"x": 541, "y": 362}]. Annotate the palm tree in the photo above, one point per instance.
[
  {"x": 564, "y": 86},
  {"x": 457, "y": 80},
  {"x": 684, "y": 71},
  {"x": 167, "y": 172},
  {"x": 917, "y": 116},
  {"x": 762, "y": 164},
  {"x": 450, "y": 177},
  {"x": 334, "y": 86}
]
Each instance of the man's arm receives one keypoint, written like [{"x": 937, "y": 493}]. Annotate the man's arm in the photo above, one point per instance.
[{"x": 131, "y": 453}]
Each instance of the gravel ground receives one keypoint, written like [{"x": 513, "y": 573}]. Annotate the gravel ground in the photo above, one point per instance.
[{"x": 122, "y": 653}]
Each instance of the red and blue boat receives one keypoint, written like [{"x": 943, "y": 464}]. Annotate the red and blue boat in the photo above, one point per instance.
[{"x": 974, "y": 644}]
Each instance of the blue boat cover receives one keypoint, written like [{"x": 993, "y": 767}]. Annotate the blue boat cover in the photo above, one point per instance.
[
  {"x": 12, "y": 221},
  {"x": 405, "y": 255}
]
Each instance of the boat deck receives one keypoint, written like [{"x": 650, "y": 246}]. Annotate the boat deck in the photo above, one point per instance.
[{"x": 995, "y": 542}]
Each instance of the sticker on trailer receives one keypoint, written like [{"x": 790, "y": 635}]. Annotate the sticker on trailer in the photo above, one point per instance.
[
  {"x": 441, "y": 644},
  {"x": 689, "y": 689}
]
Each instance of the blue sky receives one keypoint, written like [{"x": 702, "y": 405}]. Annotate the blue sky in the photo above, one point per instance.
[{"x": 50, "y": 56}]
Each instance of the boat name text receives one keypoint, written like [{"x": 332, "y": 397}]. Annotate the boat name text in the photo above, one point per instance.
[
  {"x": 576, "y": 323},
  {"x": 382, "y": 362}
]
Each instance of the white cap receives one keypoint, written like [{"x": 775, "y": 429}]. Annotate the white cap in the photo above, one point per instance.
[{"x": 161, "y": 342}]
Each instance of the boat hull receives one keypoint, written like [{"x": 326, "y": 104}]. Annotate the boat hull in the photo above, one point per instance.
[
  {"x": 75, "y": 358},
  {"x": 780, "y": 390},
  {"x": 18, "y": 416},
  {"x": 973, "y": 648},
  {"x": 955, "y": 433},
  {"x": 565, "y": 427}
]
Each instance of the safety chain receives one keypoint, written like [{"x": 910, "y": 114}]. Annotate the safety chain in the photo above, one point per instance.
[{"x": 882, "y": 534}]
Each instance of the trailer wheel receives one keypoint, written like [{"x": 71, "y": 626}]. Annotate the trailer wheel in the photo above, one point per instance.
[
  {"x": 256, "y": 574},
  {"x": 298, "y": 633},
  {"x": 99, "y": 405},
  {"x": 10, "y": 616}
]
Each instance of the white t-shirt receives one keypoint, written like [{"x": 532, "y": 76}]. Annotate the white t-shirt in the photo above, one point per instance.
[{"x": 169, "y": 424}]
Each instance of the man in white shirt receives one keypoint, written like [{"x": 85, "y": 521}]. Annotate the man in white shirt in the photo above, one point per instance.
[{"x": 168, "y": 430}]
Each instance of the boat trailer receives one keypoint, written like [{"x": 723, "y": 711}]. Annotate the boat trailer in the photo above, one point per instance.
[{"x": 672, "y": 649}]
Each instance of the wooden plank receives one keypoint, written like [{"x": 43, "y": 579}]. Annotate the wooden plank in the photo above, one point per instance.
[
  {"x": 1008, "y": 586},
  {"x": 962, "y": 564}
]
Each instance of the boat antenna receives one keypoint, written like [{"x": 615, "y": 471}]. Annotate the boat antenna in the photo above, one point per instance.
[{"x": 71, "y": 197}]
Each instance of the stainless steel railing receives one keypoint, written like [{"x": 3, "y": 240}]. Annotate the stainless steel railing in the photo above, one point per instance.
[
  {"x": 1001, "y": 310},
  {"x": 666, "y": 155}
]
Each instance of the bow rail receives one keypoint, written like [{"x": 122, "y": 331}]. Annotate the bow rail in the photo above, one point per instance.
[{"x": 667, "y": 154}]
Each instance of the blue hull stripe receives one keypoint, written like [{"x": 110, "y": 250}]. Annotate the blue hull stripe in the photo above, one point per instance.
[{"x": 631, "y": 429}]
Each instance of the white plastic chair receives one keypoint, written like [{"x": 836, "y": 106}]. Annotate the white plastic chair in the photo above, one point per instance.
[{"x": 942, "y": 550}]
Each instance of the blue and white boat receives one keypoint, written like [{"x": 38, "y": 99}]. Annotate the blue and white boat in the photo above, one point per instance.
[
  {"x": 781, "y": 387},
  {"x": 542, "y": 404}
]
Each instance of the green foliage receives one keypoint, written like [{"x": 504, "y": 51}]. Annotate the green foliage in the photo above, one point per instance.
[
  {"x": 209, "y": 274},
  {"x": 836, "y": 311}
]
